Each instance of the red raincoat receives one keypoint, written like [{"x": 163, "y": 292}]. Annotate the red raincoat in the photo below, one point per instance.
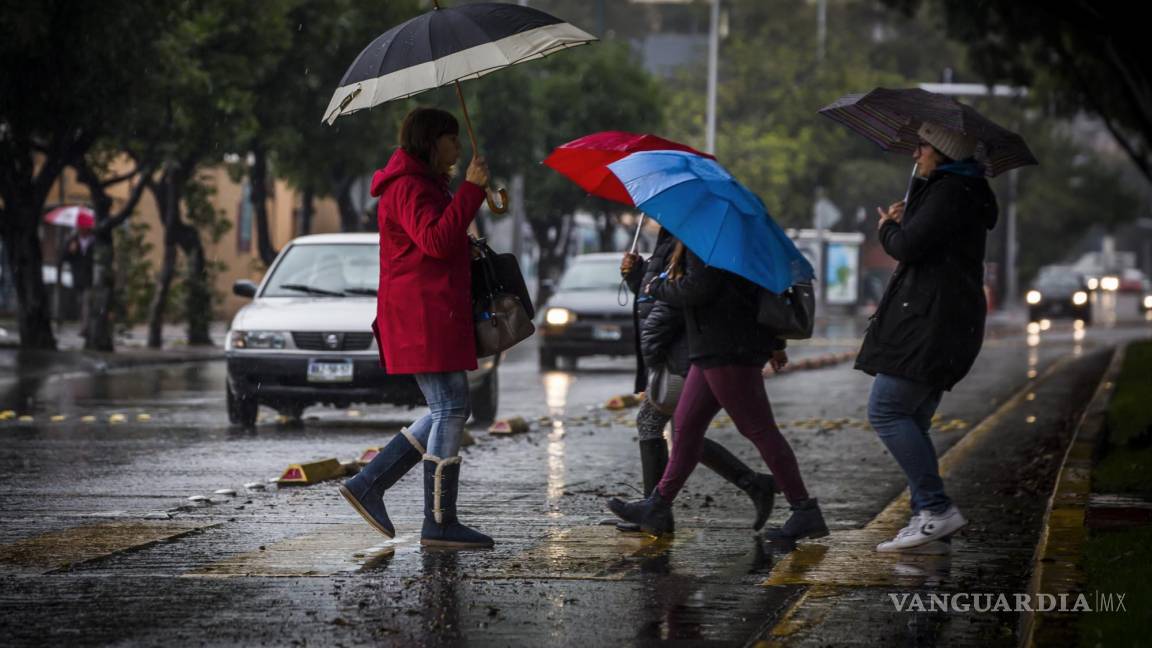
[{"x": 424, "y": 304}]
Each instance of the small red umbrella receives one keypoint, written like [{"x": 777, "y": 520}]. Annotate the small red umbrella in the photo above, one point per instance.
[
  {"x": 75, "y": 216},
  {"x": 585, "y": 161}
]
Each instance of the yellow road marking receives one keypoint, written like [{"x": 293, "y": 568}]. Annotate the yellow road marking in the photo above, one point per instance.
[
  {"x": 849, "y": 558},
  {"x": 337, "y": 548},
  {"x": 58, "y": 550}
]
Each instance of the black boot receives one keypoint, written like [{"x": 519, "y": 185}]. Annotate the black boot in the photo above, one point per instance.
[
  {"x": 653, "y": 514},
  {"x": 365, "y": 491},
  {"x": 759, "y": 486},
  {"x": 441, "y": 528},
  {"x": 806, "y": 522},
  {"x": 653, "y": 460}
]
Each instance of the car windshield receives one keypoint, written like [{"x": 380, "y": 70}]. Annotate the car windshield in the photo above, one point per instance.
[
  {"x": 589, "y": 274},
  {"x": 1059, "y": 284},
  {"x": 326, "y": 270}
]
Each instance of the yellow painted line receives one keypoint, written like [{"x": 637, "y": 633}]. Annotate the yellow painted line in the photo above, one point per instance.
[
  {"x": 59, "y": 418},
  {"x": 59, "y": 550},
  {"x": 88, "y": 419},
  {"x": 116, "y": 418},
  {"x": 848, "y": 558},
  {"x": 1056, "y": 565},
  {"x": 601, "y": 553},
  {"x": 26, "y": 419},
  {"x": 143, "y": 418},
  {"x": 338, "y": 548}
]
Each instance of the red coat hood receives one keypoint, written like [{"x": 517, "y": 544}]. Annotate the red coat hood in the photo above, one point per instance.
[{"x": 400, "y": 164}]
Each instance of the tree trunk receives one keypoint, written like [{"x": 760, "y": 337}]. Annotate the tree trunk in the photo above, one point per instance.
[
  {"x": 307, "y": 210},
  {"x": 197, "y": 293},
  {"x": 553, "y": 238},
  {"x": 349, "y": 217},
  {"x": 258, "y": 181},
  {"x": 22, "y": 241},
  {"x": 23, "y": 191},
  {"x": 101, "y": 296},
  {"x": 607, "y": 231},
  {"x": 167, "y": 195}
]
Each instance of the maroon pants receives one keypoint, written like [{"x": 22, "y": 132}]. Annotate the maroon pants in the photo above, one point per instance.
[{"x": 740, "y": 391}]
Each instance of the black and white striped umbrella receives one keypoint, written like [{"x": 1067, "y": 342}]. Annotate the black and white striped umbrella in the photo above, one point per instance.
[{"x": 447, "y": 46}]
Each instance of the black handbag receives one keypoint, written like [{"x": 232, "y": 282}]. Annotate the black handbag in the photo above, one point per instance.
[
  {"x": 789, "y": 315},
  {"x": 501, "y": 307}
]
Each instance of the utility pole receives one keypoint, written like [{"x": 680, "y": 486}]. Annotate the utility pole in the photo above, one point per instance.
[{"x": 713, "y": 65}]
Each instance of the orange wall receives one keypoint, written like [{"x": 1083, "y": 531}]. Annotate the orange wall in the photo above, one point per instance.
[{"x": 282, "y": 201}]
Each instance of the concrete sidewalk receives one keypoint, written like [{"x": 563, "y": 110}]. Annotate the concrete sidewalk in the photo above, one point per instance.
[{"x": 131, "y": 351}]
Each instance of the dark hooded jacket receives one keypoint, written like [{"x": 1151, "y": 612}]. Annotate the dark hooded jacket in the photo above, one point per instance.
[
  {"x": 929, "y": 325},
  {"x": 720, "y": 308},
  {"x": 660, "y": 336}
]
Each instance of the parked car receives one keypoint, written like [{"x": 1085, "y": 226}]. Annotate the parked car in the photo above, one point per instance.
[
  {"x": 306, "y": 338},
  {"x": 585, "y": 317},
  {"x": 1059, "y": 291}
]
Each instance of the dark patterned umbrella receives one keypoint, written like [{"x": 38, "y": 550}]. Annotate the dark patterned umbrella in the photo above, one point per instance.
[
  {"x": 447, "y": 46},
  {"x": 890, "y": 118}
]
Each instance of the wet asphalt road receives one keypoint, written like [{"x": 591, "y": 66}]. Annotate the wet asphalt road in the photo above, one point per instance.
[{"x": 100, "y": 543}]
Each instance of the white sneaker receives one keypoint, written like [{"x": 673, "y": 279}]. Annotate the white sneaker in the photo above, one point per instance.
[
  {"x": 925, "y": 528},
  {"x": 910, "y": 531}
]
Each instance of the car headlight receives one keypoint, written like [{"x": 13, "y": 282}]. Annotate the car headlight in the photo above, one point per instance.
[
  {"x": 559, "y": 316},
  {"x": 1034, "y": 297},
  {"x": 1093, "y": 283},
  {"x": 258, "y": 340},
  {"x": 1080, "y": 298},
  {"x": 1110, "y": 283},
  {"x": 1148, "y": 302}
]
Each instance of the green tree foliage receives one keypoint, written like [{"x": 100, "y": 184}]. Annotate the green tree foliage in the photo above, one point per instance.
[
  {"x": 774, "y": 76},
  {"x": 1076, "y": 54},
  {"x": 526, "y": 111},
  {"x": 67, "y": 71}
]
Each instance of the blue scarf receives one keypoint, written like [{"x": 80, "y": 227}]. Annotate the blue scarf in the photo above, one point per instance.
[{"x": 968, "y": 167}]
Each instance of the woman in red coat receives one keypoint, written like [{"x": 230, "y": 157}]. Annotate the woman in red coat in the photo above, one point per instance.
[{"x": 423, "y": 321}]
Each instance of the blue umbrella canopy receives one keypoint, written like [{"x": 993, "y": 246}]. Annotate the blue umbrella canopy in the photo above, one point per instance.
[{"x": 716, "y": 217}]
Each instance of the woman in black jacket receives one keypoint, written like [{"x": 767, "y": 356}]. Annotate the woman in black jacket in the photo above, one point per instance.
[
  {"x": 727, "y": 349},
  {"x": 929, "y": 326},
  {"x": 663, "y": 346}
]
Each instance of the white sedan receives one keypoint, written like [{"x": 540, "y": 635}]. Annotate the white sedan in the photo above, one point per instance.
[{"x": 306, "y": 338}]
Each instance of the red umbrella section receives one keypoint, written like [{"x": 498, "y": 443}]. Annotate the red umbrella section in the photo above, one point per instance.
[
  {"x": 74, "y": 216},
  {"x": 585, "y": 160}
]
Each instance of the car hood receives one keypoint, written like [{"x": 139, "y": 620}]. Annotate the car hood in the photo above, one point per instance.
[
  {"x": 306, "y": 314},
  {"x": 600, "y": 302}
]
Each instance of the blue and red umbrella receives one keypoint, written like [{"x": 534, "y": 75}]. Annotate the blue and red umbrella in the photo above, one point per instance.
[{"x": 693, "y": 196}]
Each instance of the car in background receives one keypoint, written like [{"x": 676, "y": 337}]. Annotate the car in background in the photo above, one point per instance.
[
  {"x": 1059, "y": 292},
  {"x": 585, "y": 316},
  {"x": 306, "y": 339}
]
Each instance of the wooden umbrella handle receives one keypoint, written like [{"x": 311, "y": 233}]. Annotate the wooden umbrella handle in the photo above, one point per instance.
[{"x": 500, "y": 207}]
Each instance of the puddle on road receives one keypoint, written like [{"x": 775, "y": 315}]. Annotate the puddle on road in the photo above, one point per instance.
[
  {"x": 339, "y": 548},
  {"x": 59, "y": 550}
]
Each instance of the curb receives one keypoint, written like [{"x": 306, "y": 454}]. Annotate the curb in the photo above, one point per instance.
[{"x": 1057, "y": 564}]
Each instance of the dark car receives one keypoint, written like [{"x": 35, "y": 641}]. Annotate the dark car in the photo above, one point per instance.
[
  {"x": 585, "y": 316},
  {"x": 306, "y": 338},
  {"x": 1059, "y": 292}
]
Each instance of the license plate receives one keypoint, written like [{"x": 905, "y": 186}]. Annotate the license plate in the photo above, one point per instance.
[
  {"x": 606, "y": 333},
  {"x": 329, "y": 371}
]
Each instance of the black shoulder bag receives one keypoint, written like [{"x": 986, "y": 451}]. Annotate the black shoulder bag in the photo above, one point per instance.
[
  {"x": 789, "y": 315},
  {"x": 501, "y": 308}
]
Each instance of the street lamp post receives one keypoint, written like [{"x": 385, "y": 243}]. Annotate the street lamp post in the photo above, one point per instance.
[{"x": 713, "y": 65}]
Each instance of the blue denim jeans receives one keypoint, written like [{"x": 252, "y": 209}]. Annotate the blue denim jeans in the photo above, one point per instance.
[
  {"x": 900, "y": 411},
  {"x": 447, "y": 395}
]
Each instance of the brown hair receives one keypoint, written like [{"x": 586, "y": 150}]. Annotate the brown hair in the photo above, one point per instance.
[
  {"x": 420, "y": 130},
  {"x": 676, "y": 261}
]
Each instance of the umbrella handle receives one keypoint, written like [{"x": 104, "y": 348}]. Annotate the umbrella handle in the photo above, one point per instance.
[{"x": 500, "y": 207}]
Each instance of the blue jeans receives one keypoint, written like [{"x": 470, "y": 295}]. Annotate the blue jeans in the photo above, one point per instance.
[
  {"x": 447, "y": 395},
  {"x": 900, "y": 411}
]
